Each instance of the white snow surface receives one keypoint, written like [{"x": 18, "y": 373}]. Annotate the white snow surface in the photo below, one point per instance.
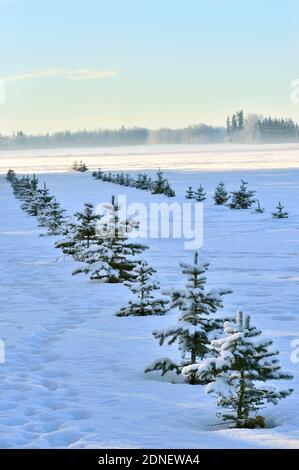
[
  {"x": 213, "y": 157},
  {"x": 73, "y": 375}
]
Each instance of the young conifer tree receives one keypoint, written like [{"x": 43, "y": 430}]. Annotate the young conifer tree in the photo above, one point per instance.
[
  {"x": 10, "y": 176},
  {"x": 143, "y": 286},
  {"x": 29, "y": 196},
  {"x": 168, "y": 191},
  {"x": 40, "y": 202},
  {"x": 97, "y": 174},
  {"x": 81, "y": 234},
  {"x": 237, "y": 373},
  {"x": 197, "y": 322},
  {"x": 280, "y": 213},
  {"x": 21, "y": 186},
  {"x": 189, "y": 193},
  {"x": 242, "y": 199},
  {"x": 113, "y": 258},
  {"x": 221, "y": 195},
  {"x": 200, "y": 194},
  {"x": 161, "y": 185},
  {"x": 128, "y": 181},
  {"x": 53, "y": 219}
]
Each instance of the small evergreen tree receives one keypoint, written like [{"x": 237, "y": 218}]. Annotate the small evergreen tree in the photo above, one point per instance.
[
  {"x": 97, "y": 174},
  {"x": 189, "y": 193},
  {"x": 242, "y": 199},
  {"x": 53, "y": 219},
  {"x": 168, "y": 191},
  {"x": 112, "y": 258},
  {"x": 197, "y": 323},
  {"x": 242, "y": 363},
  {"x": 75, "y": 166},
  {"x": 82, "y": 167},
  {"x": 109, "y": 177},
  {"x": 158, "y": 186},
  {"x": 28, "y": 195},
  {"x": 143, "y": 286},
  {"x": 221, "y": 195},
  {"x": 280, "y": 213},
  {"x": 200, "y": 194},
  {"x": 23, "y": 186},
  {"x": 18, "y": 186},
  {"x": 128, "y": 180},
  {"x": 259, "y": 209},
  {"x": 80, "y": 235},
  {"x": 41, "y": 201},
  {"x": 143, "y": 182},
  {"x": 10, "y": 176}
]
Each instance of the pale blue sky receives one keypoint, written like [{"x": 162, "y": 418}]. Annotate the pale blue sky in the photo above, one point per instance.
[{"x": 145, "y": 62}]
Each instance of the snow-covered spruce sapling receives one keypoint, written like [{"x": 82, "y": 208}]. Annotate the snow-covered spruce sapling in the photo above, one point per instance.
[
  {"x": 197, "y": 322},
  {"x": 40, "y": 202},
  {"x": 29, "y": 197},
  {"x": 242, "y": 199},
  {"x": 221, "y": 195},
  {"x": 199, "y": 194},
  {"x": 161, "y": 185},
  {"x": 280, "y": 213},
  {"x": 259, "y": 209},
  {"x": 128, "y": 180},
  {"x": 22, "y": 186},
  {"x": 143, "y": 182},
  {"x": 18, "y": 186},
  {"x": 74, "y": 166},
  {"x": 158, "y": 186},
  {"x": 237, "y": 374},
  {"x": 120, "y": 179},
  {"x": 25, "y": 189},
  {"x": 143, "y": 286},
  {"x": 97, "y": 174},
  {"x": 81, "y": 234},
  {"x": 10, "y": 175},
  {"x": 109, "y": 177},
  {"x": 53, "y": 219},
  {"x": 112, "y": 259},
  {"x": 189, "y": 193},
  {"x": 168, "y": 191},
  {"x": 82, "y": 167}
]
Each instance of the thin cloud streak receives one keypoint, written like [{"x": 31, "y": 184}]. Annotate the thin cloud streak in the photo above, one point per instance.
[{"x": 84, "y": 74}]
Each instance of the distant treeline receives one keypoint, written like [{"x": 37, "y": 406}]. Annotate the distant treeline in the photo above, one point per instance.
[
  {"x": 257, "y": 129},
  {"x": 124, "y": 136},
  {"x": 239, "y": 129},
  {"x": 277, "y": 130}
]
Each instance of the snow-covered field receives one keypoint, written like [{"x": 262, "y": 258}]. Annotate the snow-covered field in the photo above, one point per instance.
[
  {"x": 176, "y": 157},
  {"x": 73, "y": 375}
]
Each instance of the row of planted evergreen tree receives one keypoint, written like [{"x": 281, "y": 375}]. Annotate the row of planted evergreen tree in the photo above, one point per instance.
[
  {"x": 241, "y": 199},
  {"x": 102, "y": 247},
  {"x": 220, "y": 352},
  {"x": 79, "y": 166},
  {"x": 37, "y": 201},
  {"x": 159, "y": 185},
  {"x": 244, "y": 198}
]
